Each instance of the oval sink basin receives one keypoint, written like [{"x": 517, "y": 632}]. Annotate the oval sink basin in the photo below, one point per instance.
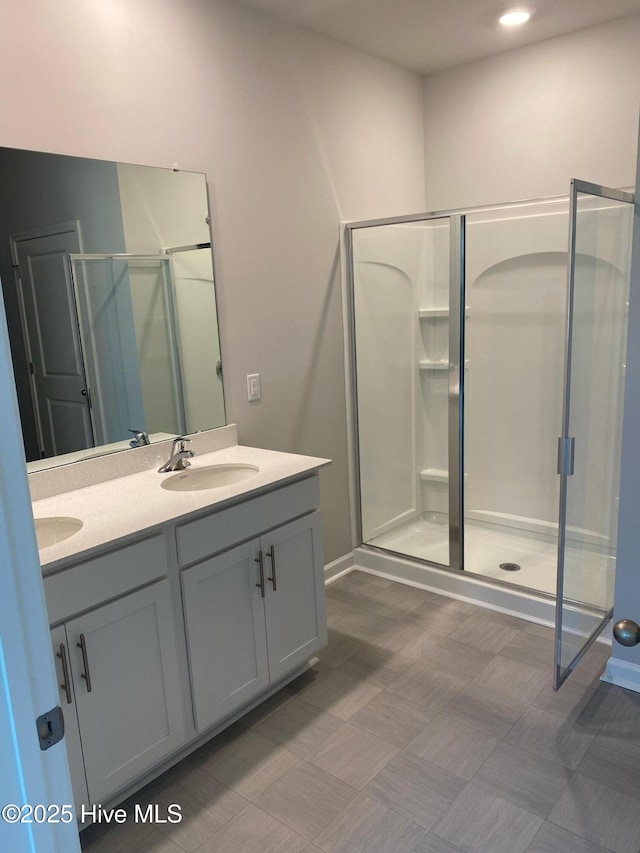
[
  {"x": 50, "y": 531},
  {"x": 209, "y": 477}
]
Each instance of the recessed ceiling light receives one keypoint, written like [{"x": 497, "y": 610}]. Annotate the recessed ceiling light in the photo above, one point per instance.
[{"x": 514, "y": 17}]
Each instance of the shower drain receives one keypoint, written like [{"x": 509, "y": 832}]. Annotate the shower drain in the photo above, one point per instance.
[{"x": 510, "y": 567}]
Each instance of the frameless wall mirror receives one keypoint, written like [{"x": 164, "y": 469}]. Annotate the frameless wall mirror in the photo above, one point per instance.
[{"x": 107, "y": 278}]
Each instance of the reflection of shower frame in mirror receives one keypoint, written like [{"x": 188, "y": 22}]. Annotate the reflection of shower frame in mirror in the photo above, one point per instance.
[
  {"x": 136, "y": 389},
  {"x": 195, "y": 309}
]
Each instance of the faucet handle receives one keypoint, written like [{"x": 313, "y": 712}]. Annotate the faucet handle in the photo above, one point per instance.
[
  {"x": 181, "y": 439},
  {"x": 179, "y": 458}
]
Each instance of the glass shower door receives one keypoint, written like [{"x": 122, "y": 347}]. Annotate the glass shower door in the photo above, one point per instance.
[
  {"x": 407, "y": 292},
  {"x": 601, "y": 222}
]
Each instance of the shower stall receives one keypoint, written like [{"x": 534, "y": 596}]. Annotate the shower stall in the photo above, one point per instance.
[{"x": 488, "y": 376}]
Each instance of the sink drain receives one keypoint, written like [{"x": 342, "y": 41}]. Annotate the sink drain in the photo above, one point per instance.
[{"x": 510, "y": 567}]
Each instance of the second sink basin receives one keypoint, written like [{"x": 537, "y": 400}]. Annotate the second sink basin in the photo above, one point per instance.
[
  {"x": 209, "y": 477},
  {"x": 50, "y": 531}
]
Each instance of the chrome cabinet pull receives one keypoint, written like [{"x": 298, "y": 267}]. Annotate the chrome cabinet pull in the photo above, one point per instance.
[
  {"x": 82, "y": 645},
  {"x": 66, "y": 683},
  {"x": 260, "y": 562},
  {"x": 271, "y": 554}
]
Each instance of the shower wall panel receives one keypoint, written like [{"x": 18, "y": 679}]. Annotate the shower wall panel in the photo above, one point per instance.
[
  {"x": 514, "y": 353},
  {"x": 516, "y": 268},
  {"x": 386, "y": 262},
  {"x": 401, "y": 304}
]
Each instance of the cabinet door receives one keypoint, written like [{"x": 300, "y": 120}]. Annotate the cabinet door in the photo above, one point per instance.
[
  {"x": 128, "y": 690},
  {"x": 71, "y": 731},
  {"x": 224, "y": 616},
  {"x": 295, "y": 605}
]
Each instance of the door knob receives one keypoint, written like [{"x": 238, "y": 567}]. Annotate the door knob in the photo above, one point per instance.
[{"x": 627, "y": 632}]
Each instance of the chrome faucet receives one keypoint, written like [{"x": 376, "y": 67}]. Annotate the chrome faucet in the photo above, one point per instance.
[
  {"x": 140, "y": 438},
  {"x": 179, "y": 459}
]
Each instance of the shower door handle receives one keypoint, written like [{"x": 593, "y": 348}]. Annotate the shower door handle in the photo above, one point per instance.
[{"x": 627, "y": 632}]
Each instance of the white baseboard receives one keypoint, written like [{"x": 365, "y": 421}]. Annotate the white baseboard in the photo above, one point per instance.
[
  {"x": 622, "y": 673},
  {"x": 339, "y": 567}
]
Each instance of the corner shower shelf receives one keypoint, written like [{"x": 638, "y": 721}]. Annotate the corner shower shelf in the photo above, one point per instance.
[
  {"x": 433, "y": 313},
  {"x": 435, "y": 475},
  {"x": 437, "y": 313},
  {"x": 426, "y": 364}
]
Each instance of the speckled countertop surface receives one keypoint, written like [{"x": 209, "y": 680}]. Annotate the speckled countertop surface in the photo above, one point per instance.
[{"x": 120, "y": 509}]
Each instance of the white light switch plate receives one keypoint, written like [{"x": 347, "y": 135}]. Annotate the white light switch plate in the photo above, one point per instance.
[{"x": 253, "y": 387}]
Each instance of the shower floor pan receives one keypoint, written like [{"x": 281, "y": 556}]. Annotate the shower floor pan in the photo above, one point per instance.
[{"x": 486, "y": 548}]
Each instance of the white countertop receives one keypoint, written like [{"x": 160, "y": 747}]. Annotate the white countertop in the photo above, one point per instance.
[{"x": 121, "y": 509}]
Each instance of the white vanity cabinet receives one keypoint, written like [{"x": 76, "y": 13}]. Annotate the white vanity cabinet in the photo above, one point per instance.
[
  {"x": 226, "y": 634},
  {"x": 294, "y": 596},
  {"x": 255, "y": 612},
  {"x": 122, "y": 677},
  {"x": 159, "y": 641}
]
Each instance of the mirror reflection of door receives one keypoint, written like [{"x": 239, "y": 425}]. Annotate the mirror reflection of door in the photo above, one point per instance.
[{"x": 47, "y": 305}]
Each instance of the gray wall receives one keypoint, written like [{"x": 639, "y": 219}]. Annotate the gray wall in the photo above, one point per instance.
[{"x": 522, "y": 124}]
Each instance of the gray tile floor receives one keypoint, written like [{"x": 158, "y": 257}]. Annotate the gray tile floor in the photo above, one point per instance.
[{"x": 429, "y": 726}]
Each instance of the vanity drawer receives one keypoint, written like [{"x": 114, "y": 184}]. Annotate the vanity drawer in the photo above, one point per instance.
[
  {"x": 95, "y": 581},
  {"x": 227, "y": 527}
]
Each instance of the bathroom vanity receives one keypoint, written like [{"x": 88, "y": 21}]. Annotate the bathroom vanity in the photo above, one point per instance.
[{"x": 178, "y": 603}]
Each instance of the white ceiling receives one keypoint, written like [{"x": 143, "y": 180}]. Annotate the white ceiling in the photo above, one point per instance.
[{"x": 429, "y": 35}]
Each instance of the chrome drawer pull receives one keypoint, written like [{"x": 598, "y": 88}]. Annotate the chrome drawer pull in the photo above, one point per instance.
[
  {"x": 66, "y": 683},
  {"x": 271, "y": 554},
  {"x": 260, "y": 562},
  {"x": 82, "y": 645}
]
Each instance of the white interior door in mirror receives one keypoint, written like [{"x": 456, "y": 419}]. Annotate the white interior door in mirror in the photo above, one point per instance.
[{"x": 47, "y": 303}]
